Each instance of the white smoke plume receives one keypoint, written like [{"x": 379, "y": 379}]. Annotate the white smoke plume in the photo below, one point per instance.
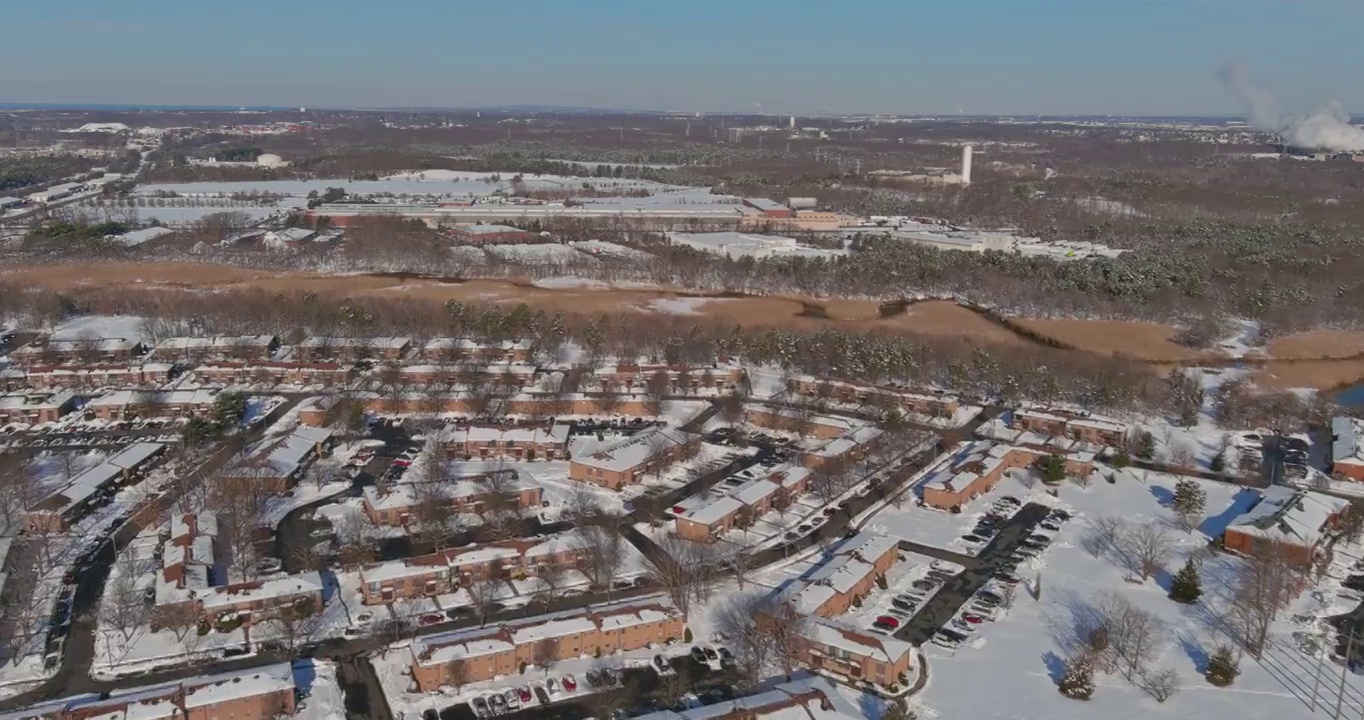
[{"x": 1327, "y": 128}]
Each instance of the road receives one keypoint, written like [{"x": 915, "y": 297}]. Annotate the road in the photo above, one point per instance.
[{"x": 74, "y": 674}]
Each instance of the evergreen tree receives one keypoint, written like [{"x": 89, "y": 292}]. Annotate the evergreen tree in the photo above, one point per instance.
[
  {"x": 896, "y": 710},
  {"x": 1121, "y": 459},
  {"x": 1078, "y": 682},
  {"x": 1222, "y": 667},
  {"x": 1053, "y": 469},
  {"x": 1148, "y": 446},
  {"x": 1219, "y": 462},
  {"x": 1187, "y": 586},
  {"x": 1189, "y": 501}
]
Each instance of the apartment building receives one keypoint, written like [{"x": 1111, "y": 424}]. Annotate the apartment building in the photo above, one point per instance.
[
  {"x": 258, "y": 600},
  {"x": 444, "y": 572},
  {"x": 848, "y": 575},
  {"x": 844, "y": 449},
  {"x": 57, "y": 511},
  {"x": 829, "y": 647},
  {"x": 1076, "y": 425},
  {"x": 1298, "y": 522},
  {"x": 978, "y": 466},
  {"x": 638, "y": 377},
  {"x": 277, "y": 464},
  {"x": 617, "y": 463},
  {"x": 351, "y": 349},
  {"x": 446, "y": 349},
  {"x": 188, "y": 556},
  {"x": 516, "y": 375},
  {"x": 263, "y": 692},
  {"x": 315, "y": 410},
  {"x": 761, "y": 490},
  {"x": 131, "y": 404},
  {"x": 36, "y": 407},
  {"x": 88, "y": 352},
  {"x": 783, "y": 419},
  {"x": 804, "y": 699},
  {"x": 847, "y": 391},
  {"x": 481, "y": 654},
  {"x": 396, "y": 505},
  {"x": 231, "y": 372},
  {"x": 84, "y": 377},
  {"x": 1347, "y": 452},
  {"x": 199, "y": 349},
  {"x": 520, "y": 443}
]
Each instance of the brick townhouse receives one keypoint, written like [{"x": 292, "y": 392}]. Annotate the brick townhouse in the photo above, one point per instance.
[
  {"x": 264, "y": 692},
  {"x": 773, "y": 417},
  {"x": 131, "y": 404},
  {"x": 1298, "y": 522},
  {"x": 521, "y": 443},
  {"x": 444, "y": 572},
  {"x": 847, "y": 391},
  {"x": 276, "y": 464},
  {"x": 849, "y": 574},
  {"x": 512, "y": 374},
  {"x": 199, "y": 349},
  {"x": 1072, "y": 425},
  {"x": 638, "y": 376},
  {"x": 36, "y": 407},
  {"x": 60, "y": 509},
  {"x": 617, "y": 463},
  {"x": 445, "y": 349},
  {"x": 481, "y": 654},
  {"x": 978, "y": 466},
  {"x": 95, "y": 350},
  {"x": 351, "y": 349},
  {"x": 258, "y": 600},
  {"x": 811, "y": 698},
  {"x": 84, "y": 377},
  {"x": 323, "y": 373},
  {"x": 396, "y": 505},
  {"x": 844, "y": 449},
  {"x": 761, "y": 491}
]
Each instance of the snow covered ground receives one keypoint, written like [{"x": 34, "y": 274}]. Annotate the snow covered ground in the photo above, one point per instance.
[
  {"x": 320, "y": 693},
  {"x": 540, "y": 253},
  {"x": 128, "y": 327},
  {"x": 1023, "y": 652}
]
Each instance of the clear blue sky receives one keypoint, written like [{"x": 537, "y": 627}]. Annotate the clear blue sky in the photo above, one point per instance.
[{"x": 793, "y": 56}]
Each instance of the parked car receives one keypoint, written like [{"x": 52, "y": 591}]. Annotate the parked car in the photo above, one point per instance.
[
  {"x": 570, "y": 683},
  {"x": 972, "y": 618},
  {"x": 497, "y": 704},
  {"x": 480, "y": 707},
  {"x": 905, "y": 603},
  {"x": 593, "y": 678},
  {"x": 512, "y": 699},
  {"x": 948, "y": 639},
  {"x": 889, "y": 620},
  {"x": 432, "y": 619},
  {"x": 698, "y": 654},
  {"x": 925, "y": 585},
  {"x": 524, "y": 693}
]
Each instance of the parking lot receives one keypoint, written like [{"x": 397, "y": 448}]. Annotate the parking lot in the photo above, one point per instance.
[{"x": 703, "y": 676}]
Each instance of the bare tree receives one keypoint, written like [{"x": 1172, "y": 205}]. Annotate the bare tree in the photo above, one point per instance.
[
  {"x": 296, "y": 627},
  {"x": 656, "y": 389},
  {"x": 122, "y": 606},
  {"x": 458, "y": 674},
  {"x": 545, "y": 653},
  {"x": 1134, "y": 636},
  {"x": 434, "y": 513},
  {"x": 179, "y": 618},
  {"x": 603, "y": 554},
  {"x": 356, "y": 538},
  {"x": 1104, "y": 534},
  {"x": 685, "y": 569},
  {"x": 1264, "y": 586},
  {"x": 738, "y": 620},
  {"x": 1161, "y": 684},
  {"x": 785, "y": 628},
  {"x": 482, "y": 592},
  {"x": 1150, "y": 545}
]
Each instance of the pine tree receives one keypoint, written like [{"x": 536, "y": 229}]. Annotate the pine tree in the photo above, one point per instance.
[
  {"x": 1078, "y": 682},
  {"x": 1148, "y": 446},
  {"x": 1189, "y": 501},
  {"x": 897, "y": 710},
  {"x": 1121, "y": 459},
  {"x": 1222, "y": 667},
  {"x": 1187, "y": 586},
  {"x": 1219, "y": 462}
]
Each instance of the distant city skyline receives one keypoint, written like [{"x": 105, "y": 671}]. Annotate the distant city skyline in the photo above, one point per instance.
[{"x": 979, "y": 57}]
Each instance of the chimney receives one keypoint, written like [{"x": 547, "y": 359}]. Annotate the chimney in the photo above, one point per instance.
[{"x": 966, "y": 165}]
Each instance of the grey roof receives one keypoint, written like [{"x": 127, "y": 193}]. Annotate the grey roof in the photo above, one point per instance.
[{"x": 1344, "y": 439}]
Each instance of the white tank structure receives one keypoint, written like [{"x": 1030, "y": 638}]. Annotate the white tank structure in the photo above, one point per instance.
[
  {"x": 966, "y": 164},
  {"x": 269, "y": 160}
]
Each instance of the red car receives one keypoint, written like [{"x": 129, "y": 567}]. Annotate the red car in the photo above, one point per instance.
[
  {"x": 570, "y": 683},
  {"x": 972, "y": 618},
  {"x": 888, "y": 620},
  {"x": 432, "y": 619},
  {"x": 524, "y": 692},
  {"x": 402, "y": 463}
]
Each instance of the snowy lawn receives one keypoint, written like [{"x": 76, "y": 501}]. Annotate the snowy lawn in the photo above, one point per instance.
[{"x": 1024, "y": 652}]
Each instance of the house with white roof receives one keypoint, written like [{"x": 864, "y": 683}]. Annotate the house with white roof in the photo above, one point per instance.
[
  {"x": 257, "y": 600},
  {"x": 811, "y": 698},
  {"x": 1294, "y": 521},
  {"x": 760, "y": 493},
  {"x": 617, "y": 463},
  {"x": 480, "y": 654},
  {"x": 263, "y": 692}
]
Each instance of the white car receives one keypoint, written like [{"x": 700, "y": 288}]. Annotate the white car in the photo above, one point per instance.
[{"x": 950, "y": 641}]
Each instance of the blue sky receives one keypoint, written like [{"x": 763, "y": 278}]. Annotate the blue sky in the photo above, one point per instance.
[{"x": 811, "y": 56}]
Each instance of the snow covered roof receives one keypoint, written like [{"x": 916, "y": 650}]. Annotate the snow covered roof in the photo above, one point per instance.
[
  {"x": 1345, "y": 441},
  {"x": 450, "y": 343},
  {"x": 812, "y": 698},
  {"x": 1288, "y": 515},
  {"x": 282, "y": 457},
  {"x": 755, "y": 491},
  {"x": 488, "y": 229},
  {"x": 713, "y": 511},
  {"x": 842, "y": 573},
  {"x": 868, "y": 546},
  {"x": 837, "y": 637},
  {"x": 284, "y": 587},
  {"x": 557, "y": 434},
  {"x": 321, "y": 341},
  {"x": 36, "y": 400},
  {"x": 163, "y": 700},
  {"x": 220, "y": 343},
  {"x": 137, "y": 237},
  {"x": 173, "y": 398},
  {"x": 631, "y": 452}
]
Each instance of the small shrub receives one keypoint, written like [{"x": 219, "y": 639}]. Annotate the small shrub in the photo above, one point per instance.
[
  {"x": 1222, "y": 667},
  {"x": 1078, "y": 682},
  {"x": 686, "y": 635}
]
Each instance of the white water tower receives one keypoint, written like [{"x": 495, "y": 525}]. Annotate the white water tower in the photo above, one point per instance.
[{"x": 966, "y": 165}]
